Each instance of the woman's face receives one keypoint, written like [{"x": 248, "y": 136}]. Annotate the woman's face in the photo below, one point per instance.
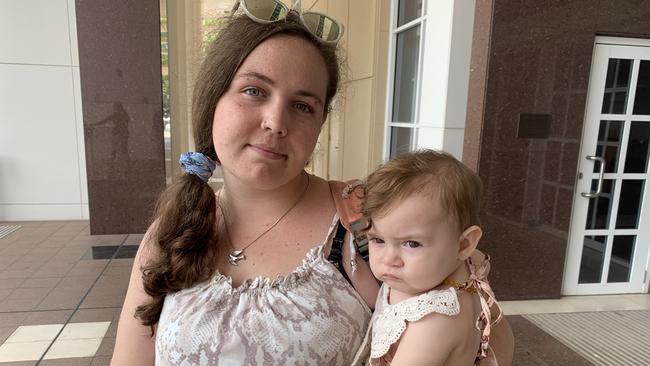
[{"x": 267, "y": 122}]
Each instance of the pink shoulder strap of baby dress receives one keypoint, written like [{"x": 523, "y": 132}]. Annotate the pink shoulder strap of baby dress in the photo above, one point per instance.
[{"x": 478, "y": 283}]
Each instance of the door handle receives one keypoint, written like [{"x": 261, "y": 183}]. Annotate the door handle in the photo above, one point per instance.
[{"x": 601, "y": 174}]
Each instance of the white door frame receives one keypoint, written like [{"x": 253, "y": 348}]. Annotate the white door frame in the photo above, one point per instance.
[{"x": 604, "y": 49}]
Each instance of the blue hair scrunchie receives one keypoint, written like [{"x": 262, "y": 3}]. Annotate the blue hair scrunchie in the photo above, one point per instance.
[{"x": 197, "y": 164}]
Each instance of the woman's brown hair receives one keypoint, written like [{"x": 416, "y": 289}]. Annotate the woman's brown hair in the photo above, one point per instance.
[
  {"x": 431, "y": 172},
  {"x": 184, "y": 229}
]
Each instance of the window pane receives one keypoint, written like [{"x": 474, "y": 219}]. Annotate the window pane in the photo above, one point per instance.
[
  {"x": 593, "y": 254},
  {"x": 629, "y": 204},
  {"x": 620, "y": 262},
  {"x": 616, "y": 86},
  {"x": 609, "y": 139},
  {"x": 408, "y": 10},
  {"x": 400, "y": 140},
  {"x": 601, "y": 206},
  {"x": 406, "y": 67},
  {"x": 642, "y": 97},
  {"x": 636, "y": 160}
]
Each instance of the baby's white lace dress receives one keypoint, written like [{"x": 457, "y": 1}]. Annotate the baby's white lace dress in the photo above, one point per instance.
[{"x": 389, "y": 321}]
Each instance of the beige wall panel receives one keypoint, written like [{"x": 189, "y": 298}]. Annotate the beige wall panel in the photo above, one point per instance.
[
  {"x": 319, "y": 6},
  {"x": 379, "y": 98},
  {"x": 357, "y": 125},
  {"x": 337, "y": 9},
  {"x": 384, "y": 15},
  {"x": 335, "y": 141},
  {"x": 361, "y": 38}
]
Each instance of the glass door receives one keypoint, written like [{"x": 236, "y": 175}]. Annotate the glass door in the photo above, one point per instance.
[{"x": 610, "y": 223}]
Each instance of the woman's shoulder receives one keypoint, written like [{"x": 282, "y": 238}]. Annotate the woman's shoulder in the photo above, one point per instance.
[{"x": 148, "y": 249}]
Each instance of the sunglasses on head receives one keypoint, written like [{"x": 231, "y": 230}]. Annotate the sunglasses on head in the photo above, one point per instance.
[{"x": 320, "y": 25}]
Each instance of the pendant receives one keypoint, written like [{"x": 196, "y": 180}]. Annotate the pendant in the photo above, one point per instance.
[{"x": 236, "y": 256}]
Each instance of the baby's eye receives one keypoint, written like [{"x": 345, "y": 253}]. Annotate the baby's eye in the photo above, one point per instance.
[
  {"x": 255, "y": 92},
  {"x": 375, "y": 240},
  {"x": 303, "y": 107},
  {"x": 412, "y": 244}
]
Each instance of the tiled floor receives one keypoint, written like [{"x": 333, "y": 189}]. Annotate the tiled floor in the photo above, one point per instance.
[
  {"x": 59, "y": 303},
  {"x": 61, "y": 290}
]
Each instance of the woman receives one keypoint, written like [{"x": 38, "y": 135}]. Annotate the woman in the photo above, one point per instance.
[{"x": 241, "y": 276}]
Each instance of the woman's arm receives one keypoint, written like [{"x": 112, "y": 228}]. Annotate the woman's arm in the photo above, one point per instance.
[
  {"x": 502, "y": 341},
  {"x": 134, "y": 344}
]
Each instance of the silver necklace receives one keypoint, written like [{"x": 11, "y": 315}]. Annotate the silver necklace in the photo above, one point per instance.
[{"x": 237, "y": 256}]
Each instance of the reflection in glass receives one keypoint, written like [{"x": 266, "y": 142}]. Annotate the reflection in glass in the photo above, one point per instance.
[
  {"x": 616, "y": 86},
  {"x": 600, "y": 207},
  {"x": 636, "y": 160},
  {"x": 408, "y": 10},
  {"x": 642, "y": 96},
  {"x": 629, "y": 204},
  {"x": 620, "y": 262},
  {"x": 406, "y": 68},
  {"x": 166, "y": 117},
  {"x": 593, "y": 254},
  {"x": 609, "y": 140},
  {"x": 400, "y": 140}
]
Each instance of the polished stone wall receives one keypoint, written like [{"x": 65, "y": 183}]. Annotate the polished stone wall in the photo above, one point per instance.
[
  {"x": 534, "y": 56},
  {"x": 119, "y": 59}
]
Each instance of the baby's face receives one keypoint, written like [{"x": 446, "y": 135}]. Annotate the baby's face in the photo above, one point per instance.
[{"x": 414, "y": 245}]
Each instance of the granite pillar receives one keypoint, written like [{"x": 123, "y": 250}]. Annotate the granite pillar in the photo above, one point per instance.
[{"x": 119, "y": 59}]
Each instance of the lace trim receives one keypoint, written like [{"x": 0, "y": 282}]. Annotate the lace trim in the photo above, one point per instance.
[{"x": 388, "y": 326}]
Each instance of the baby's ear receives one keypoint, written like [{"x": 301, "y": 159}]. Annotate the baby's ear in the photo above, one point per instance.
[{"x": 468, "y": 241}]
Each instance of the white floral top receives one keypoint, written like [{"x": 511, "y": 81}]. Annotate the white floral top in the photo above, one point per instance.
[{"x": 312, "y": 316}]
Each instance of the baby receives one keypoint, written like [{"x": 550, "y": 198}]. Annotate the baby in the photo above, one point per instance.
[{"x": 434, "y": 305}]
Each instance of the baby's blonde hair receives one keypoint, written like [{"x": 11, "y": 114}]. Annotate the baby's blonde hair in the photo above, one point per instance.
[{"x": 425, "y": 171}]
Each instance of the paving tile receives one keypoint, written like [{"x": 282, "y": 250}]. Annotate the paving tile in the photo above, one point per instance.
[
  {"x": 62, "y": 299},
  {"x": 45, "y": 282},
  {"x": 33, "y": 294},
  {"x": 6, "y": 260},
  {"x": 84, "y": 282},
  {"x": 70, "y": 348},
  {"x": 86, "y": 330},
  {"x": 11, "y": 352},
  {"x": 69, "y": 255},
  {"x": 5, "y": 333},
  {"x": 101, "y": 361},
  {"x": 103, "y": 297},
  {"x": 48, "y": 317},
  {"x": 12, "y": 319},
  {"x": 53, "y": 243},
  {"x": 127, "y": 251},
  {"x": 4, "y": 293},
  {"x": 16, "y": 305},
  {"x": 121, "y": 262},
  {"x": 50, "y": 270},
  {"x": 95, "y": 315},
  {"x": 34, "y": 333},
  {"x": 81, "y": 361},
  {"x": 112, "y": 330},
  {"x": 106, "y": 347},
  {"x": 88, "y": 268},
  {"x": 100, "y": 252},
  {"x": 12, "y": 274},
  {"x": 24, "y": 363}
]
